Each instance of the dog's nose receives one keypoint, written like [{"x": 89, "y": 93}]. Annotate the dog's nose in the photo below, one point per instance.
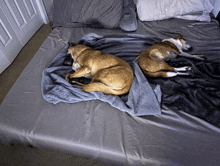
[
  {"x": 190, "y": 48},
  {"x": 187, "y": 48},
  {"x": 68, "y": 61}
]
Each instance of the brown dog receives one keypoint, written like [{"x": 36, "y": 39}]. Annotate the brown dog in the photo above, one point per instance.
[
  {"x": 109, "y": 73},
  {"x": 152, "y": 63}
]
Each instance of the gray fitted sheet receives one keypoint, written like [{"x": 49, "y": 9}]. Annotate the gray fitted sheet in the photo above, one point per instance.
[{"x": 96, "y": 130}]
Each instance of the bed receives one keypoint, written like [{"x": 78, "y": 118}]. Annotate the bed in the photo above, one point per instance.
[{"x": 183, "y": 130}]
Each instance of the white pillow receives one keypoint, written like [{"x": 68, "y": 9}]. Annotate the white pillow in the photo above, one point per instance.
[{"x": 151, "y": 10}]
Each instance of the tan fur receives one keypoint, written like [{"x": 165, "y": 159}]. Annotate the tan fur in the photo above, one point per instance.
[
  {"x": 109, "y": 73},
  {"x": 151, "y": 60},
  {"x": 152, "y": 63}
]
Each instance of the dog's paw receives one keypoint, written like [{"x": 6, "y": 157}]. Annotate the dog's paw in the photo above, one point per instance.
[
  {"x": 188, "y": 68},
  {"x": 67, "y": 78},
  {"x": 201, "y": 57},
  {"x": 185, "y": 68}
]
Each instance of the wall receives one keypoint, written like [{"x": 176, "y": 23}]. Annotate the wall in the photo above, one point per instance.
[{"x": 48, "y": 5}]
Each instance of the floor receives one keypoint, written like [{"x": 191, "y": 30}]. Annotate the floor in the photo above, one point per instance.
[{"x": 22, "y": 155}]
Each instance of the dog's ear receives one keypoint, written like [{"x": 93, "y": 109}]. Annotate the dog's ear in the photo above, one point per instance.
[
  {"x": 179, "y": 36},
  {"x": 71, "y": 44}
]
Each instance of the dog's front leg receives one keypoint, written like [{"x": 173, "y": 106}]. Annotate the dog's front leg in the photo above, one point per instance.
[
  {"x": 184, "y": 54},
  {"x": 78, "y": 73}
]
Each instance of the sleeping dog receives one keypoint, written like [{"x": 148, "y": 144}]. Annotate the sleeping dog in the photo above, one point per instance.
[
  {"x": 109, "y": 73},
  {"x": 152, "y": 63}
]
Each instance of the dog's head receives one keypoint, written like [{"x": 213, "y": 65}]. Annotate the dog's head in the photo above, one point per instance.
[
  {"x": 75, "y": 51},
  {"x": 184, "y": 45}
]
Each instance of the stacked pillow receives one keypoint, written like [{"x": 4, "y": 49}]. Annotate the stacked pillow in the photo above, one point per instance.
[
  {"x": 152, "y": 10},
  {"x": 122, "y": 13},
  {"x": 93, "y": 13}
]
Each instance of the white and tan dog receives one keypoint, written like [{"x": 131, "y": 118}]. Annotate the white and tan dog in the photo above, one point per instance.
[
  {"x": 109, "y": 73},
  {"x": 152, "y": 63}
]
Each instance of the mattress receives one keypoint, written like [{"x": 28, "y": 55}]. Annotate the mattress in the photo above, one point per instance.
[{"x": 96, "y": 130}]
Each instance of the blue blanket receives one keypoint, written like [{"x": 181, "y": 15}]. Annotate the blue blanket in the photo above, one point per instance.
[{"x": 142, "y": 99}]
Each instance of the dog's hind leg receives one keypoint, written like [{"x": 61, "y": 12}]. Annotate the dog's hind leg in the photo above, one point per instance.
[
  {"x": 164, "y": 74},
  {"x": 99, "y": 86},
  {"x": 159, "y": 74},
  {"x": 185, "y": 68},
  {"x": 179, "y": 71},
  {"x": 154, "y": 64},
  {"x": 172, "y": 74},
  {"x": 115, "y": 80}
]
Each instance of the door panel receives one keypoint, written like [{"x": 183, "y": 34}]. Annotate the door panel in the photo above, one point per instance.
[
  {"x": 15, "y": 10},
  {"x": 30, "y": 9},
  {"x": 4, "y": 62},
  {"x": 24, "y": 16},
  {"x": 19, "y": 20},
  {"x": 9, "y": 42}
]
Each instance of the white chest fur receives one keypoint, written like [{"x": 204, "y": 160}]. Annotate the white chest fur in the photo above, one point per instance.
[
  {"x": 177, "y": 43},
  {"x": 75, "y": 66}
]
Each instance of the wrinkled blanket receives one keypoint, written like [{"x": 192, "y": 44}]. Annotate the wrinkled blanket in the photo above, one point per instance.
[
  {"x": 142, "y": 99},
  {"x": 198, "y": 93}
]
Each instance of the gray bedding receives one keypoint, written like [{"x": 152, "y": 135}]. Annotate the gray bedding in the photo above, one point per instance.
[
  {"x": 142, "y": 99},
  {"x": 94, "y": 128}
]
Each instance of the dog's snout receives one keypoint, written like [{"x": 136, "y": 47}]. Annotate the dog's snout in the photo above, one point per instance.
[
  {"x": 69, "y": 55},
  {"x": 187, "y": 48},
  {"x": 190, "y": 48},
  {"x": 68, "y": 61}
]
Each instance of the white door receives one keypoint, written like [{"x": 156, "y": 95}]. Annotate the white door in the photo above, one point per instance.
[
  {"x": 9, "y": 43},
  {"x": 4, "y": 62},
  {"x": 24, "y": 16}
]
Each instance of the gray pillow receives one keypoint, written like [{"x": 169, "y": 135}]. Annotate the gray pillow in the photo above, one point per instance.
[
  {"x": 87, "y": 13},
  {"x": 97, "y": 13}
]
